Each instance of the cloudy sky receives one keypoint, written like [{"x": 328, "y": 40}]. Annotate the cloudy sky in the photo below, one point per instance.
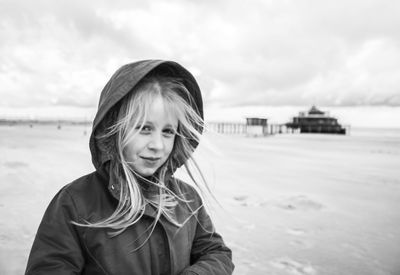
[{"x": 258, "y": 57}]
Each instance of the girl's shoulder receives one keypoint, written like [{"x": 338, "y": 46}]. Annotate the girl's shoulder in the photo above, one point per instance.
[
  {"x": 86, "y": 195},
  {"x": 85, "y": 185}
]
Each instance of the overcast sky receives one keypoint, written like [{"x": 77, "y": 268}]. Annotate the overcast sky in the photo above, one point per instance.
[{"x": 337, "y": 53}]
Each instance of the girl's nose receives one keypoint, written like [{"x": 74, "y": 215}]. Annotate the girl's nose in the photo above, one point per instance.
[{"x": 156, "y": 142}]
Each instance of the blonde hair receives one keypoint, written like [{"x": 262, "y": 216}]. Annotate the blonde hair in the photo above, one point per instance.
[{"x": 131, "y": 115}]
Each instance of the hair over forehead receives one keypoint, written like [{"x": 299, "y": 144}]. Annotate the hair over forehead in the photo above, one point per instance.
[
  {"x": 175, "y": 96},
  {"x": 165, "y": 86}
]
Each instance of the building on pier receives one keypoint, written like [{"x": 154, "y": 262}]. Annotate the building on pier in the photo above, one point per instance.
[
  {"x": 256, "y": 126},
  {"x": 316, "y": 121}
]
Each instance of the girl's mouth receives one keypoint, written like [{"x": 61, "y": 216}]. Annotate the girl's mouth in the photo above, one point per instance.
[{"x": 150, "y": 160}]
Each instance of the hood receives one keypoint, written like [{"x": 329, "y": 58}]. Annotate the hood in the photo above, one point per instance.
[{"x": 120, "y": 85}]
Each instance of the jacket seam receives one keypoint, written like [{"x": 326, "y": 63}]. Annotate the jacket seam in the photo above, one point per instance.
[
  {"x": 94, "y": 259},
  {"x": 171, "y": 260}
]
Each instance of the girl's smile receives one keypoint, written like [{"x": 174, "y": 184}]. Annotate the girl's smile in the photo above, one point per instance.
[{"x": 149, "y": 161}]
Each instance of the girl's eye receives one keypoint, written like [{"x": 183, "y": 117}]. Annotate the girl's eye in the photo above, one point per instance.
[
  {"x": 169, "y": 132},
  {"x": 145, "y": 129}
]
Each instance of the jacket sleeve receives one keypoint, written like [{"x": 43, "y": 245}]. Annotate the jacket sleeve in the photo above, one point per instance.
[
  {"x": 56, "y": 248},
  {"x": 209, "y": 255}
]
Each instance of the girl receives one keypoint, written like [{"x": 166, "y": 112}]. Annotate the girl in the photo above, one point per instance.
[{"x": 131, "y": 216}]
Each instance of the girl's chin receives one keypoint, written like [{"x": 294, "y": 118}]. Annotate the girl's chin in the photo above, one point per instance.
[{"x": 147, "y": 172}]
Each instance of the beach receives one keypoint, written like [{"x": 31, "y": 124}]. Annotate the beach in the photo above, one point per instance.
[{"x": 287, "y": 204}]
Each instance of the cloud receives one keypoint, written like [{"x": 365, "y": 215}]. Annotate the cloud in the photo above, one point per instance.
[{"x": 259, "y": 52}]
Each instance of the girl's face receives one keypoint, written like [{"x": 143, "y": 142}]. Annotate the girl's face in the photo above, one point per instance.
[{"x": 151, "y": 146}]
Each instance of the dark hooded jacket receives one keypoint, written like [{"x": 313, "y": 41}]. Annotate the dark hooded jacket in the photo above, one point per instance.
[{"x": 60, "y": 247}]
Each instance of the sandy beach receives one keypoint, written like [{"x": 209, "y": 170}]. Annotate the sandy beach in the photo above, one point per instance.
[{"x": 290, "y": 204}]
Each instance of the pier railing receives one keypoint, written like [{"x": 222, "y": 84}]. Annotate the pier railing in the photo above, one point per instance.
[
  {"x": 226, "y": 127},
  {"x": 243, "y": 129}
]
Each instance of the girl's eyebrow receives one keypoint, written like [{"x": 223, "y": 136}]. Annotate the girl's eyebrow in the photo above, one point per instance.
[
  {"x": 171, "y": 125},
  {"x": 147, "y": 122}
]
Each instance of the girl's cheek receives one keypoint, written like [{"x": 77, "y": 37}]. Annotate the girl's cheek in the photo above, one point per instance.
[{"x": 129, "y": 154}]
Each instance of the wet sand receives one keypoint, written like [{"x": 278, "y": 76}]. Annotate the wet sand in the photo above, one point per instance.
[{"x": 291, "y": 204}]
